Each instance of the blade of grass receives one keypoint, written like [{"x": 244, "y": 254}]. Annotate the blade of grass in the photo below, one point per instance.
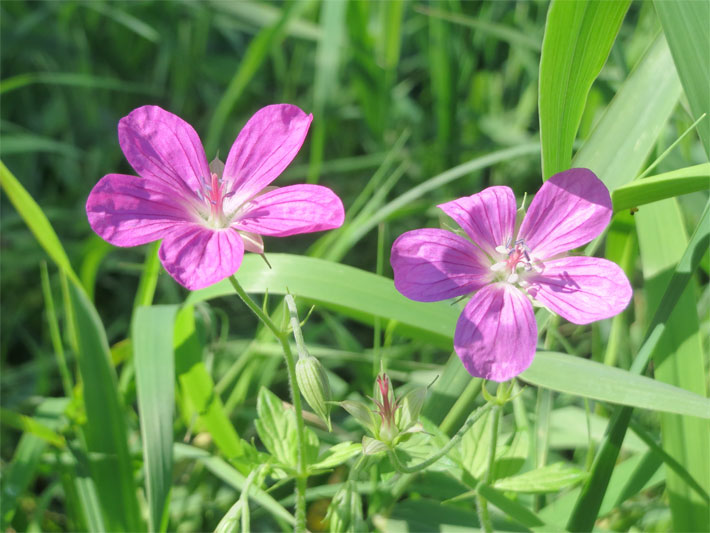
[
  {"x": 36, "y": 221},
  {"x": 662, "y": 186},
  {"x": 153, "y": 359},
  {"x": 149, "y": 277},
  {"x": 686, "y": 27},
  {"x": 105, "y": 430},
  {"x": 677, "y": 360},
  {"x": 578, "y": 39},
  {"x": 587, "y": 506}
]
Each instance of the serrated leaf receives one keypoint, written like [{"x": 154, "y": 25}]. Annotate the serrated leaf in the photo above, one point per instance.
[
  {"x": 337, "y": 455},
  {"x": 550, "y": 478},
  {"x": 276, "y": 427}
]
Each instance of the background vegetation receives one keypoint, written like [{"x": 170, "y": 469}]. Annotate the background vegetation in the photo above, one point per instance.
[{"x": 414, "y": 104}]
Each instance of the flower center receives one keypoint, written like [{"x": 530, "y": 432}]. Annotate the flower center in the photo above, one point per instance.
[
  {"x": 516, "y": 263},
  {"x": 213, "y": 194}
]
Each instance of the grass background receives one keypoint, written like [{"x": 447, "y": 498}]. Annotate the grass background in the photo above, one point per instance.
[{"x": 400, "y": 91}]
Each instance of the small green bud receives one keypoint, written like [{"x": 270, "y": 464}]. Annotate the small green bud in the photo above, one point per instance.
[{"x": 314, "y": 385}]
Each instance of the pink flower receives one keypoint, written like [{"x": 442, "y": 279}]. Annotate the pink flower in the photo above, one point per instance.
[
  {"x": 208, "y": 215},
  {"x": 496, "y": 334}
]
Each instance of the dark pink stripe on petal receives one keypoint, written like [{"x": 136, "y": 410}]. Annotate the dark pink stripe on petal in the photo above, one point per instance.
[
  {"x": 162, "y": 146},
  {"x": 264, "y": 148},
  {"x": 582, "y": 289},
  {"x": 571, "y": 209},
  {"x": 435, "y": 264},
  {"x": 197, "y": 257},
  {"x": 487, "y": 217},
  {"x": 496, "y": 334},
  {"x": 291, "y": 210},
  {"x": 129, "y": 211}
]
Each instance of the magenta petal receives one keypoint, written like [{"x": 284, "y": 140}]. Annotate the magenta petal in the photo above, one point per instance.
[
  {"x": 163, "y": 146},
  {"x": 571, "y": 209},
  {"x": 435, "y": 264},
  {"x": 581, "y": 289},
  {"x": 290, "y": 210},
  {"x": 198, "y": 257},
  {"x": 496, "y": 334},
  {"x": 128, "y": 211},
  {"x": 487, "y": 217},
  {"x": 264, "y": 148}
]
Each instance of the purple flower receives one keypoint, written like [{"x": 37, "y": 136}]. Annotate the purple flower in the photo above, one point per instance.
[
  {"x": 496, "y": 334},
  {"x": 208, "y": 215}
]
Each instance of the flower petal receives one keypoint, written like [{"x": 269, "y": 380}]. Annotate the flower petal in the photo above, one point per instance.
[
  {"x": 290, "y": 210},
  {"x": 128, "y": 211},
  {"x": 434, "y": 264},
  {"x": 197, "y": 256},
  {"x": 264, "y": 148},
  {"x": 496, "y": 334},
  {"x": 581, "y": 289},
  {"x": 487, "y": 217},
  {"x": 163, "y": 146},
  {"x": 571, "y": 209}
]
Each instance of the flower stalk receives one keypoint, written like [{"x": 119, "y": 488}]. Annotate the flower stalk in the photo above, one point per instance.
[{"x": 282, "y": 337}]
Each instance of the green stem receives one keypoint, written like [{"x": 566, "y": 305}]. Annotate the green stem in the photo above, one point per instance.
[
  {"x": 473, "y": 417},
  {"x": 482, "y": 502},
  {"x": 282, "y": 337}
]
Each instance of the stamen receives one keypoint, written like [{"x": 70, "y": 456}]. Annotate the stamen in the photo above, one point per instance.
[{"x": 499, "y": 267}]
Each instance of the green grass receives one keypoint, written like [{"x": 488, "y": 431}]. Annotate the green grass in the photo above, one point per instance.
[{"x": 129, "y": 404}]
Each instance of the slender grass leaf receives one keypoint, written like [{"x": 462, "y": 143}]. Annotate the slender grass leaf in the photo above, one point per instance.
[
  {"x": 36, "y": 220},
  {"x": 28, "y": 424},
  {"x": 588, "y": 503},
  {"x": 73, "y": 79},
  {"x": 627, "y": 131},
  {"x": 352, "y": 291},
  {"x": 687, "y": 29},
  {"x": 149, "y": 277},
  {"x": 578, "y": 39},
  {"x": 197, "y": 388},
  {"x": 105, "y": 430},
  {"x": 677, "y": 360},
  {"x": 583, "y": 377},
  {"x": 662, "y": 186},
  {"x": 153, "y": 359}
]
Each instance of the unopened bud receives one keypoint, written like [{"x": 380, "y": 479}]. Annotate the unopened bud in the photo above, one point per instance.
[
  {"x": 345, "y": 511},
  {"x": 314, "y": 385}
]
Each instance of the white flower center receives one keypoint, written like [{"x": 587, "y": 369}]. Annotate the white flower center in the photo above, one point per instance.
[{"x": 516, "y": 264}]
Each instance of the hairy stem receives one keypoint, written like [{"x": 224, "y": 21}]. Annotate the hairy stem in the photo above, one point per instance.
[{"x": 282, "y": 337}]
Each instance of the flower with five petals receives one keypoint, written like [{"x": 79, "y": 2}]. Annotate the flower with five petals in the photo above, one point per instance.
[
  {"x": 208, "y": 214},
  {"x": 496, "y": 334}
]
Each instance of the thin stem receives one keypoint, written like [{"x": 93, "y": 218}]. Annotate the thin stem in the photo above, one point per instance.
[
  {"x": 482, "y": 502},
  {"x": 282, "y": 337},
  {"x": 473, "y": 417}
]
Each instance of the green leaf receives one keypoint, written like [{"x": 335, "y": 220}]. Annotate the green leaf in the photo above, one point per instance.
[
  {"x": 662, "y": 186},
  {"x": 627, "y": 131},
  {"x": 28, "y": 424},
  {"x": 590, "y": 379},
  {"x": 688, "y": 33},
  {"x": 234, "y": 478},
  {"x": 105, "y": 430},
  {"x": 276, "y": 428},
  {"x": 198, "y": 389},
  {"x": 578, "y": 39},
  {"x": 352, "y": 291},
  {"x": 550, "y": 478},
  {"x": 153, "y": 359},
  {"x": 36, "y": 220},
  {"x": 678, "y": 360},
  {"x": 337, "y": 455}
]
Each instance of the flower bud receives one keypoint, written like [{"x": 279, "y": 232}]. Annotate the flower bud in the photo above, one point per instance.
[
  {"x": 345, "y": 511},
  {"x": 314, "y": 385}
]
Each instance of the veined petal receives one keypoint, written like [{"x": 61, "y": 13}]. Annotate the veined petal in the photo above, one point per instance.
[
  {"x": 164, "y": 147},
  {"x": 434, "y": 264},
  {"x": 496, "y": 334},
  {"x": 128, "y": 211},
  {"x": 290, "y": 210},
  {"x": 581, "y": 289},
  {"x": 571, "y": 209},
  {"x": 487, "y": 217},
  {"x": 264, "y": 148},
  {"x": 197, "y": 256}
]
